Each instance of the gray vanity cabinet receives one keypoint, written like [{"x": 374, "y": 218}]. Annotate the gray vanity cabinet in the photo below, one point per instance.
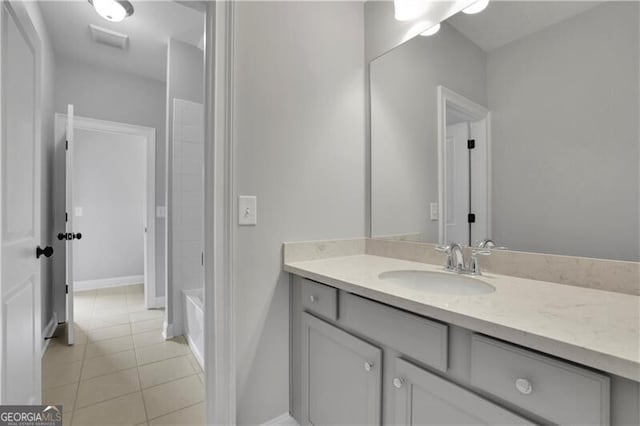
[
  {"x": 355, "y": 361},
  {"x": 341, "y": 383},
  {"x": 422, "y": 398}
]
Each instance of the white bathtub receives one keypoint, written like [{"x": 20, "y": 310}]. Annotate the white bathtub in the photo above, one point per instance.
[{"x": 194, "y": 322}]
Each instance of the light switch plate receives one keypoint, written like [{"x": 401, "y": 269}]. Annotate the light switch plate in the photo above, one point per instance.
[
  {"x": 433, "y": 207},
  {"x": 247, "y": 210},
  {"x": 77, "y": 211}
]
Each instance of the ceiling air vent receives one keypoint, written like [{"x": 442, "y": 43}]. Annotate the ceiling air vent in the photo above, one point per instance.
[{"x": 109, "y": 37}]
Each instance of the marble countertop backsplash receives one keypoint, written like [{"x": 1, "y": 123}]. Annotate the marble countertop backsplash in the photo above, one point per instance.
[{"x": 602, "y": 274}]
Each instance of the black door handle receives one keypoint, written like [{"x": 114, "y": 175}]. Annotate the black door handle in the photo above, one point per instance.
[
  {"x": 47, "y": 251},
  {"x": 69, "y": 236}
]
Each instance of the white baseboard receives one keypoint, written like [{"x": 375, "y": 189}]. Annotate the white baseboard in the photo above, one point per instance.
[
  {"x": 107, "y": 282},
  {"x": 195, "y": 351},
  {"x": 48, "y": 331},
  {"x": 167, "y": 330},
  {"x": 282, "y": 420}
]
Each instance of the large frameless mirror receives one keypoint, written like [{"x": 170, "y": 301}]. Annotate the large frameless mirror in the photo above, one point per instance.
[{"x": 518, "y": 124}]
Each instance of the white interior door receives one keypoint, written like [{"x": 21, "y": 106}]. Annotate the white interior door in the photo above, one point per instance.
[
  {"x": 70, "y": 235},
  {"x": 481, "y": 229},
  {"x": 457, "y": 184},
  {"x": 19, "y": 209}
]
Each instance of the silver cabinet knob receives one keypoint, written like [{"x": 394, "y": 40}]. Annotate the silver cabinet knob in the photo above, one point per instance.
[
  {"x": 524, "y": 386},
  {"x": 398, "y": 382},
  {"x": 313, "y": 299},
  {"x": 368, "y": 366}
]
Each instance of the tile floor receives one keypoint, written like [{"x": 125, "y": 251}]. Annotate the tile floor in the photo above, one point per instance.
[{"x": 121, "y": 371}]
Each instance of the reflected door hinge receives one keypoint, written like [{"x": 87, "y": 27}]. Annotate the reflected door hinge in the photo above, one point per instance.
[
  {"x": 66, "y": 217},
  {"x": 471, "y": 218},
  {"x": 471, "y": 143},
  {"x": 202, "y": 258},
  {"x": 66, "y": 289},
  {"x": 66, "y": 145}
]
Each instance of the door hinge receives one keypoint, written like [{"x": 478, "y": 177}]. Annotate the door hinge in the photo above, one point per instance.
[
  {"x": 66, "y": 289},
  {"x": 202, "y": 258},
  {"x": 66, "y": 145},
  {"x": 471, "y": 144},
  {"x": 471, "y": 218},
  {"x": 66, "y": 217}
]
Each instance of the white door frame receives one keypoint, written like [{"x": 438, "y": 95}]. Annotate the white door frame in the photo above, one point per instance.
[
  {"x": 219, "y": 226},
  {"x": 149, "y": 134},
  {"x": 478, "y": 112}
]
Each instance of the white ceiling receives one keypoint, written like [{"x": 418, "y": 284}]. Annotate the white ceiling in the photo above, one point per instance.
[
  {"x": 149, "y": 29},
  {"x": 505, "y": 21}
]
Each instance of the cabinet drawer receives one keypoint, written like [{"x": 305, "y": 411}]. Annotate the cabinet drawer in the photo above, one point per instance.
[
  {"x": 422, "y": 398},
  {"x": 557, "y": 391},
  {"x": 320, "y": 299},
  {"x": 414, "y": 336}
]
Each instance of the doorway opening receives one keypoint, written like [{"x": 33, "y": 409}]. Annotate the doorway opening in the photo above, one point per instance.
[
  {"x": 464, "y": 169},
  {"x": 108, "y": 201},
  {"x": 129, "y": 179},
  {"x": 126, "y": 358}
]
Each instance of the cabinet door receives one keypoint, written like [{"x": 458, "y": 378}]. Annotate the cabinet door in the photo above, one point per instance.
[
  {"x": 341, "y": 376},
  {"x": 423, "y": 398}
]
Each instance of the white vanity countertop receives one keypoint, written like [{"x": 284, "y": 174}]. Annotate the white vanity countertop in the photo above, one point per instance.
[{"x": 596, "y": 328}]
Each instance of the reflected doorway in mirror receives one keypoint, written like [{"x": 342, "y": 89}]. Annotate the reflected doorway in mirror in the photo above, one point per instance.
[{"x": 464, "y": 168}]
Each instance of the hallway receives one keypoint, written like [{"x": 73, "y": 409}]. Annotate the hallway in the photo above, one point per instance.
[{"x": 121, "y": 370}]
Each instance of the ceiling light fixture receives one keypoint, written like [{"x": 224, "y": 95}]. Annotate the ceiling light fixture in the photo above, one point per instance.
[
  {"x": 405, "y": 10},
  {"x": 431, "y": 31},
  {"x": 476, "y": 7},
  {"x": 113, "y": 10}
]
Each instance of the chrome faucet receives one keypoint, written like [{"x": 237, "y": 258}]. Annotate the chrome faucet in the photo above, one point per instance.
[
  {"x": 447, "y": 250},
  {"x": 457, "y": 252},
  {"x": 487, "y": 243},
  {"x": 483, "y": 248},
  {"x": 455, "y": 257},
  {"x": 474, "y": 265}
]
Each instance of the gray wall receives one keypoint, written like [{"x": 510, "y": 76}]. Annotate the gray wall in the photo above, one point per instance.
[
  {"x": 110, "y": 187},
  {"x": 46, "y": 133},
  {"x": 404, "y": 126},
  {"x": 300, "y": 147},
  {"x": 185, "y": 80},
  {"x": 565, "y": 136},
  {"x": 185, "y": 71},
  {"x": 122, "y": 97}
]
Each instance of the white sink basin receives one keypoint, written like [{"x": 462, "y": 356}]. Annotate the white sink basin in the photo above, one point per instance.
[{"x": 438, "y": 282}]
